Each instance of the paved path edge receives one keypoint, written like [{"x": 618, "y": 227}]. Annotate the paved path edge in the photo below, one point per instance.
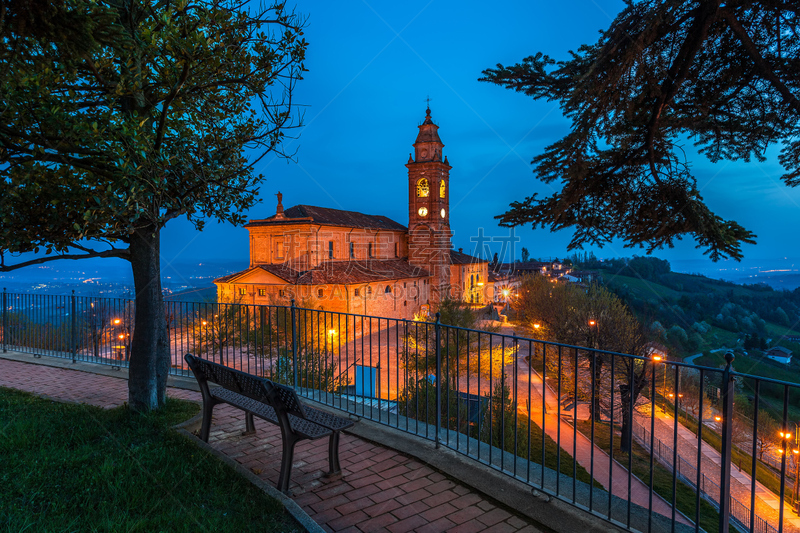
[
  {"x": 545, "y": 511},
  {"x": 295, "y": 511}
]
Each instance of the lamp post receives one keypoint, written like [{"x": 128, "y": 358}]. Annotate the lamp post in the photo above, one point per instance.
[
  {"x": 657, "y": 359},
  {"x": 796, "y": 459},
  {"x": 786, "y": 439}
]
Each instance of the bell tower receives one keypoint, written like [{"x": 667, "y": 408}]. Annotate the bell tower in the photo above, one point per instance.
[{"x": 429, "y": 209}]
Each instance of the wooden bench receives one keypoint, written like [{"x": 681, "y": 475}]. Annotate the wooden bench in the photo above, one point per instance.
[{"x": 269, "y": 401}]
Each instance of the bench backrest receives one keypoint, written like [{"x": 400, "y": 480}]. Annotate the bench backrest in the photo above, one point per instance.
[
  {"x": 229, "y": 378},
  {"x": 287, "y": 398},
  {"x": 280, "y": 397}
]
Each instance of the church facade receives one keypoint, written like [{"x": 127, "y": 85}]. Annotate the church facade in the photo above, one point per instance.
[{"x": 346, "y": 261}]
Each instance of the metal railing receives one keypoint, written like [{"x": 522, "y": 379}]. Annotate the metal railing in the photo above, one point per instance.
[
  {"x": 559, "y": 419},
  {"x": 708, "y": 488}
]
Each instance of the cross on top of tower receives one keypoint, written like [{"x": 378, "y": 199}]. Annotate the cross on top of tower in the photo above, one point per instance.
[{"x": 428, "y": 102}]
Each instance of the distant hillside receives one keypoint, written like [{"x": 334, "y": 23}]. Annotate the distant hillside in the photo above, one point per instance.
[
  {"x": 692, "y": 313},
  {"x": 780, "y": 281},
  {"x": 199, "y": 294}
]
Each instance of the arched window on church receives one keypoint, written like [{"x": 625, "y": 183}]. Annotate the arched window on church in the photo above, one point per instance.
[
  {"x": 388, "y": 290},
  {"x": 442, "y": 189},
  {"x": 369, "y": 290},
  {"x": 472, "y": 280},
  {"x": 422, "y": 188}
]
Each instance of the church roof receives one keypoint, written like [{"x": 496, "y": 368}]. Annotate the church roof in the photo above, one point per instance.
[
  {"x": 303, "y": 214},
  {"x": 427, "y": 131},
  {"x": 339, "y": 272},
  {"x": 460, "y": 258}
]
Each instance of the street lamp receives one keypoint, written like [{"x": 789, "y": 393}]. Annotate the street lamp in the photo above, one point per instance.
[
  {"x": 657, "y": 359},
  {"x": 796, "y": 459}
]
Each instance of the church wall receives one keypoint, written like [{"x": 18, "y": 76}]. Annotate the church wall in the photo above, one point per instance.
[
  {"x": 470, "y": 283},
  {"x": 405, "y": 297},
  {"x": 279, "y": 243}
]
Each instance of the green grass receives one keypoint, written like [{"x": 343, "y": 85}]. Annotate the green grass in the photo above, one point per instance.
[
  {"x": 717, "y": 338},
  {"x": 662, "y": 478},
  {"x": 552, "y": 451},
  {"x": 69, "y": 467}
]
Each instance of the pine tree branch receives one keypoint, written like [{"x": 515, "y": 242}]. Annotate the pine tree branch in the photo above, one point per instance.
[
  {"x": 706, "y": 15},
  {"x": 760, "y": 63}
]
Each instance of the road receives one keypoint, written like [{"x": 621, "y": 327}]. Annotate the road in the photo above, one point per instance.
[{"x": 766, "y": 503}]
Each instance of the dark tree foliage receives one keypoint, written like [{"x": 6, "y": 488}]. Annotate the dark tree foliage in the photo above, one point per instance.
[
  {"x": 723, "y": 74},
  {"x": 117, "y": 116}
]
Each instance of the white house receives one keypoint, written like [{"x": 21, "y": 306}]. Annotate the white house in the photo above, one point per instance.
[{"x": 780, "y": 354}]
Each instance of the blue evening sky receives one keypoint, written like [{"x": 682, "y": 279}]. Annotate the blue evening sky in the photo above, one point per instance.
[
  {"x": 370, "y": 67},
  {"x": 371, "y": 64}
]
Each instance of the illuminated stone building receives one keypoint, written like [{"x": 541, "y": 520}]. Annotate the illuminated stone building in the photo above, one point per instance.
[{"x": 352, "y": 262}]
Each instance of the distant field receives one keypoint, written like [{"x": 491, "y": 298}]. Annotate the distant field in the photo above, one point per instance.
[
  {"x": 203, "y": 294},
  {"x": 648, "y": 289},
  {"x": 642, "y": 289},
  {"x": 723, "y": 338},
  {"x": 771, "y": 394},
  {"x": 776, "y": 330}
]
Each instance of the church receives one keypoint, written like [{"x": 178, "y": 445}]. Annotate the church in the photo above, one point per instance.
[{"x": 351, "y": 262}]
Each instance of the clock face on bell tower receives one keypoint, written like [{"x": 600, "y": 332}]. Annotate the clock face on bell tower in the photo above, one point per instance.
[{"x": 429, "y": 207}]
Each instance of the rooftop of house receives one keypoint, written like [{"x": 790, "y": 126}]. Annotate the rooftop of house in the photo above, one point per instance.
[
  {"x": 457, "y": 257},
  {"x": 781, "y": 351}
]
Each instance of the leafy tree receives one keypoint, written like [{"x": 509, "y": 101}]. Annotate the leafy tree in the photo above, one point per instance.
[
  {"x": 466, "y": 348},
  {"x": 766, "y": 438},
  {"x": 690, "y": 388},
  {"x": 677, "y": 335},
  {"x": 526, "y": 255},
  {"x": 595, "y": 319},
  {"x": 119, "y": 116},
  {"x": 724, "y": 73}
]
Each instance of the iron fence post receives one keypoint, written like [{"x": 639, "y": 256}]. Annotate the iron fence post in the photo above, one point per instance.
[
  {"x": 727, "y": 441},
  {"x": 5, "y": 320},
  {"x": 73, "y": 343},
  {"x": 220, "y": 312},
  {"x": 437, "y": 336},
  {"x": 294, "y": 344}
]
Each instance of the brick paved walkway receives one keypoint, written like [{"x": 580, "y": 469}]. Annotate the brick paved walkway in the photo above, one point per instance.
[{"x": 381, "y": 489}]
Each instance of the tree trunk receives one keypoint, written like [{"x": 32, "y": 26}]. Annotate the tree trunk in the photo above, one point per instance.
[
  {"x": 626, "y": 441},
  {"x": 150, "y": 357},
  {"x": 598, "y": 372}
]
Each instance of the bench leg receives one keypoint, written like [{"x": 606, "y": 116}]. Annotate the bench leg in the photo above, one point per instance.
[
  {"x": 208, "y": 410},
  {"x": 249, "y": 426},
  {"x": 286, "y": 466},
  {"x": 333, "y": 456}
]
